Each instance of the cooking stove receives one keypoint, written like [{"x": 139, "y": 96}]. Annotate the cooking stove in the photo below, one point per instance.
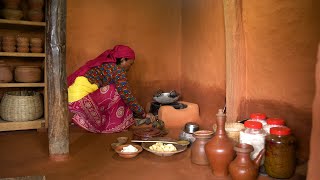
[
  {"x": 155, "y": 106},
  {"x": 175, "y": 114}
]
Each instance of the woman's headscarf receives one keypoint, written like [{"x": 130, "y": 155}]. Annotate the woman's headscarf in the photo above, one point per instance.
[{"x": 109, "y": 56}]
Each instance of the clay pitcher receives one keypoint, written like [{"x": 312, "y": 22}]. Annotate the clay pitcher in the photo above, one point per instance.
[
  {"x": 243, "y": 168},
  {"x": 219, "y": 149},
  {"x": 198, "y": 154}
]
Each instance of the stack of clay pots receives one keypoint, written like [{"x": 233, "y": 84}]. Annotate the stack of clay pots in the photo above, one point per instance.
[
  {"x": 9, "y": 43},
  {"x": 22, "y": 44},
  {"x": 11, "y": 10},
  {"x": 35, "y": 12},
  {"x": 36, "y": 45}
]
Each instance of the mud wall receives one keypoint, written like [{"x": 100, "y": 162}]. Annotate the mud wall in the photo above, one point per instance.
[
  {"x": 203, "y": 57},
  {"x": 151, "y": 28},
  {"x": 281, "y": 42}
]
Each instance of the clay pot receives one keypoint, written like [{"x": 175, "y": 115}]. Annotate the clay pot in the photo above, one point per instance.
[
  {"x": 23, "y": 44},
  {"x": 27, "y": 74},
  {"x": 22, "y": 40},
  {"x": 12, "y": 14},
  {"x": 35, "y": 4},
  {"x": 8, "y": 38},
  {"x": 11, "y": 4},
  {"x": 198, "y": 154},
  {"x": 9, "y": 48},
  {"x": 36, "y": 42},
  {"x": 6, "y": 74},
  {"x": 219, "y": 149},
  {"x": 36, "y": 49},
  {"x": 243, "y": 168},
  {"x": 35, "y": 15},
  {"x": 9, "y": 43},
  {"x": 23, "y": 49}
]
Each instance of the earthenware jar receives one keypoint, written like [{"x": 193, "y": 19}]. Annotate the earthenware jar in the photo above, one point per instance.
[
  {"x": 219, "y": 149},
  {"x": 6, "y": 74},
  {"x": 243, "y": 168},
  {"x": 198, "y": 154},
  {"x": 27, "y": 74}
]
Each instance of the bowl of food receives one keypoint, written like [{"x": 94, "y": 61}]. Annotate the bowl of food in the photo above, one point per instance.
[
  {"x": 128, "y": 150},
  {"x": 163, "y": 149}
]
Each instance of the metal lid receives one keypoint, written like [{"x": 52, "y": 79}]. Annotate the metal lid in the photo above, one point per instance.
[{"x": 191, "y": 127}]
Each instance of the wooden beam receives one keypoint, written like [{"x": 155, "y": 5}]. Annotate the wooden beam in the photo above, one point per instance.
[
  {"x": 314, "y": 159},
  {"x": 235, "y": 58},
  {"x": 58, "y": 127}
]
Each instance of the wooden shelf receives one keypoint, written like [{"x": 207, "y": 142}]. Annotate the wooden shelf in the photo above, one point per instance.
[
  {"x": 22, "y": 84},
  {"x": 21, "y": 125},
  {"x": 20, "y": 22},
  {"x": 17, "y": 54}
]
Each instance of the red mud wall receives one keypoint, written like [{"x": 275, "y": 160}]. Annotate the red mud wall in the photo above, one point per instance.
[
  {"x": 151, "y": 28},
  {"x": 281, "y": 39},
  {"x": 203, "y": 57}
]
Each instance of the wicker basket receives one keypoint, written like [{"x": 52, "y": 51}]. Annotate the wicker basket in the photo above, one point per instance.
[
  {"x": 232, "y": 129},
  {"x": 21, "y": 106}
]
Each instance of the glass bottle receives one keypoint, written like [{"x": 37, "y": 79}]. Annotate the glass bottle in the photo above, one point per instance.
[
  {"x": 273, "y": 122},
  {"x": 254, "y": 135},
  {"x": 280, "y": 153}
]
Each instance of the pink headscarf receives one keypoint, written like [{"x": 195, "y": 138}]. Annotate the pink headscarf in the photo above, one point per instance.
[{"x": 109, "y": 56}]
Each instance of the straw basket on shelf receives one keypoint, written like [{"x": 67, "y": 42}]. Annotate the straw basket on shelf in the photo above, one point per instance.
[
  {"x": 21, "y": 106},
  {"x": 232, "y": 129}
]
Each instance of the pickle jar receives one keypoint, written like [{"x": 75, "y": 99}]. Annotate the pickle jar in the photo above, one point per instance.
[
  {"x": 260, "y": 117},
  {"x": 273, "y": 122},
  {"x": 280, "y": 153}
]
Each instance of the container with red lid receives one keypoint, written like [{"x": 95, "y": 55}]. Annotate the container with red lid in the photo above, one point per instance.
[
  {"x": 273, "y": 122},
  {"x": 280, "y": 153},
  {"x": 260, "y": 117},
  {"x": 254, "y": 135}
]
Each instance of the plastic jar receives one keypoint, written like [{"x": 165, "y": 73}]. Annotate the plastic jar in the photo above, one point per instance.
[
  {"x": 260, "y": 117},
  {"x": 273, "y": 122},
  {"x": 280, "y": 153},
  {"x": 254, "y": 135}
]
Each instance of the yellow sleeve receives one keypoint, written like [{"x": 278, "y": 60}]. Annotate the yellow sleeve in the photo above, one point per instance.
[{"x": 80, "y": 88}]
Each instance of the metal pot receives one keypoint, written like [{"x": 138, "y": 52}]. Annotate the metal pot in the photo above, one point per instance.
[{"x": 191, "y": 127}]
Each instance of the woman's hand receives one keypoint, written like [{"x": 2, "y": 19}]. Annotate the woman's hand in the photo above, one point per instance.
[{"x": 151, "y": 117}]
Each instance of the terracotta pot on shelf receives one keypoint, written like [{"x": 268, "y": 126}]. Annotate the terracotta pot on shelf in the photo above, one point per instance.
[
  {"x": 35, "y": 15},
  {"x": 8, "y": 38},
  {"x": 198, "y": 154},
  {"x": 23, "y": 49},
  {"x": 24, "y": 44},
  {"x": 22, "y": 39},
  {"x": 36, "y": 49},
  {"x": 27, "y": 74},
  {"x": 9, "y": 48},
  {"x": 11, "y": 4},
  {"x": 12, "y": 14},
  {"x": 6, "y": 73},
  {"x": 36, "y": 42},
  {"x": 219, "y": 149},
  {"x": 243, "y": 168},
  {"x": 35, "y": 4},
  {"x": 9, "y": 43}
]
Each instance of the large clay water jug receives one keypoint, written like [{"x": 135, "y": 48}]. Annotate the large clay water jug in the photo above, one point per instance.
[
  {"x": 243, "y": 168},
  {"x": 219, "y": 149}
]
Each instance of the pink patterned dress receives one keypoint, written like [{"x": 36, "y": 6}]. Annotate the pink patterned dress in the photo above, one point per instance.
[{"x": 110, "y": 108}]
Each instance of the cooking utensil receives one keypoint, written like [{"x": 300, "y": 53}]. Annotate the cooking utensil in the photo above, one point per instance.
[
  {"x": 191, "y": 127},
  {"x": 166, "y": 97},
  {"x": 180, "y": 142}
]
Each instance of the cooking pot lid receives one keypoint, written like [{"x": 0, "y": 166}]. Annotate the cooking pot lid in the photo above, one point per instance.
[{"x": 147, "y": 132}]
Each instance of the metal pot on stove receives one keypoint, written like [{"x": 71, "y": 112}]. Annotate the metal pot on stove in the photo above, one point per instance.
[{"x": 166, "y": 97}]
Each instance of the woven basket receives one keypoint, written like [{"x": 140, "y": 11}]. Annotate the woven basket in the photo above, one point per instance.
[
  {"x": 232, "y": 129},
  {"x": 21, "y": 106}
]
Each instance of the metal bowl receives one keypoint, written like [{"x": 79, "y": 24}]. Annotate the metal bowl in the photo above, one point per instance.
[{"x": 166, "y": 97}]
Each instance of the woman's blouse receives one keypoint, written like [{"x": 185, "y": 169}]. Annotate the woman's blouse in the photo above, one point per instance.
[{"x": 110, "y": 73}]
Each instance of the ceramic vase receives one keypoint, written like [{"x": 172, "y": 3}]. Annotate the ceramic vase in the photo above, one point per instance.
[{"x": 219, "y": 149}]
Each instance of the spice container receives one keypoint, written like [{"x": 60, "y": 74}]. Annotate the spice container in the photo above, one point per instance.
[
  {"x": 254, "y": 135},
  {"x": 280, "y": 153},
  {"x": 273, "y": 122},
  {"x": 260, "y": 117}
]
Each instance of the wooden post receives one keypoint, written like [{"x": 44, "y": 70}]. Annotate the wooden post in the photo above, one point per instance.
[
  {"x": 235, "y": 58},
  {"x": 58, "y": 127},
  {"x": 314, "y": 159}
]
